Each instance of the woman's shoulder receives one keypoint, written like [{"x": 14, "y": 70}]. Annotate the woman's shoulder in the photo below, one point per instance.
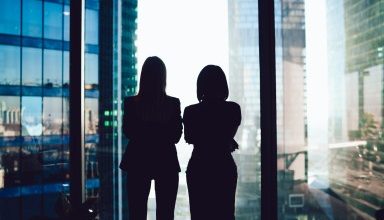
[
  {"x": 192, "y": 107},
  {"x": 173, "y": 101},
  {"x": 130, "y": 99},
  {"x": 232, "y": 104}
]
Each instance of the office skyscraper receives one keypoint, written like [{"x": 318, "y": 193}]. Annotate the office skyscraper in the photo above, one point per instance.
[
  {"x": 34, "y": 105},
  {"x": 356, "y": 58},
  {"x": 244, "y": 86}
]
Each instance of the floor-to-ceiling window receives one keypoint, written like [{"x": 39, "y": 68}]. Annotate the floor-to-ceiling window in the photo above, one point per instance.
[
  {"x": 188, "y": 37},
  {"x": 329, "y": 59}
]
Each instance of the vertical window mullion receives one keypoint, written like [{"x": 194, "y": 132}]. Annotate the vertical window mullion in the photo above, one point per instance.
[
  {"x": 268, "y": 110},
  {"x": 76, "y": 100}
]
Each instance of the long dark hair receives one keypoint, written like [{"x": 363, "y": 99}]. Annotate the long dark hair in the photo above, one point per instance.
[
  {"x": 212, "y": 84},
  {"x": 151, "y": 93},
  {"x": 153, "y": 79}
]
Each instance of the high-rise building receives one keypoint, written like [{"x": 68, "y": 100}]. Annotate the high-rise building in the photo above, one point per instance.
[
  {"x": 290, "y": 100},
  {"x": 290, "y": 95},
  {"x": 244, "y": 87},
  {"x": 34, "y": 103},
  {"x": 356, "y": 70}
]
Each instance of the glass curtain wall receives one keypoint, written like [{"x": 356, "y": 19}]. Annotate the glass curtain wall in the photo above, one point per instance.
[
  {"x": 34, "y": 103},
  {"x": 329, "y": 68},
  {"x": 33, "y": 142},
  {"x": 244, "y": 86},
  {"x": 110, "y": 75}
]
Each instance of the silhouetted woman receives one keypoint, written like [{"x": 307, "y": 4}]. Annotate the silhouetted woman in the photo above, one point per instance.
[
  {"x": 152, "y": 123},
  {"x": 211, "y": 126}
]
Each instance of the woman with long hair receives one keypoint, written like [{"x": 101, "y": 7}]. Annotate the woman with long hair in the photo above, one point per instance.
[
  {"x": 152, "y": 123},
  {"x": 211, "y": 126}
]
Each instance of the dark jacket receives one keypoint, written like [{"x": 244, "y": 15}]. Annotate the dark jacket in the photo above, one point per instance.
[
  {"x": 211, "y": 126},
  {"x": 152, "y": 130}
]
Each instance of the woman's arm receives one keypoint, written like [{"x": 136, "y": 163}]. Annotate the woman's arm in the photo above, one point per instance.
[
  {"x": 176, "y": 124},
  {"x": 188, "y": 131}
]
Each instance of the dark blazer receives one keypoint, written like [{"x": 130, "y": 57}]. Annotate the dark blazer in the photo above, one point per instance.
[
  {"x": 211, "y": 126},
  {"x": 153, "y": 131}
]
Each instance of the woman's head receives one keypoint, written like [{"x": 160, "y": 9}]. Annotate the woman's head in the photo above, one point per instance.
[
  {"x": 212, "y": 84},
  {"x": 153, "y": 78}
]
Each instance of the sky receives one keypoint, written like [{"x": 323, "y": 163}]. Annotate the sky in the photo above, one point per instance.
[{"x": 186, "y": 35}]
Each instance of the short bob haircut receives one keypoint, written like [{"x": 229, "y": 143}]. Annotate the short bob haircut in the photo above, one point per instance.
[
  {"x": 212, "y": 84},
  {"x": 153, "y": 78}
]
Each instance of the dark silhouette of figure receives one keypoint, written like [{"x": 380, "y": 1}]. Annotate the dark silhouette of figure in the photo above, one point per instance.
[
  {"x": 211, "y": 126},
  {"x": 152, "y": 123}
]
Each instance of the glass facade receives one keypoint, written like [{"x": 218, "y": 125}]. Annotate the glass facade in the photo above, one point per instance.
[
  {"x": 34, "y": 104},
  {"x": 329, "y": 61},
  {"x": 244, "y": 86}
]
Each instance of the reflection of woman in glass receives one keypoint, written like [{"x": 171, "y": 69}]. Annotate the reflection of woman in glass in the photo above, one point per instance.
[
  {"x": 152, "y": 123},
  {"x": 211, "y": 126}
]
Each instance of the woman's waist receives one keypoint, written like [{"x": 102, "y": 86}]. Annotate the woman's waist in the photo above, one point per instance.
[
  {"x": 204, "y": 154},
  {"x": 212, "y": 148},
  {"x": 211, "y": 162},
  {"x": 151, "y": 143}
]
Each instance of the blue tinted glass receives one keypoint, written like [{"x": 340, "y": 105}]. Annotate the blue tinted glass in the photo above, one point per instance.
[
  {"x": 32, "y": 18},
  {"x": 53, "y": 25},
  {"x": 66, "y": 22},
  {"x": 91, "y": 115},
  {"x": 10, "y": 65},
  {"x": 66, "y": 68},
  {"x": 52, "y": 115},
  {"x": 31, "y": 116},
  {"x": 91, "y": 26},
  {"x": 32, "y": 66},
  {"x": 10, "y": 17},
  {"x": 65, "y": 115},
  {"x": 52, "y": 67},
  {"x": 9, "y": 117},
  {"x": 91, "y": 69}
]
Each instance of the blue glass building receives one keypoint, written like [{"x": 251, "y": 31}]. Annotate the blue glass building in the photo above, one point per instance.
[{"x": 34, "y": 101}]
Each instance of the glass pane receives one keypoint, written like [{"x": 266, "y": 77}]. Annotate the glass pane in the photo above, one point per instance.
[
  {"x": 10, "y": 65},
  {"x": 66, "y": 22},
  {"x": 53, "y": 21},
  {"x": 10, "y": 17},
  {"x": 31, "y": 116},
  {"x": 66, "y": 69},
  {"x": 244, "y": 88},
  {"x": 32, "y": 66},
  {"x": 32, "y": 18},
  {"x": 10, "y": 116},
  {"x": 91, "y": 71},
  {"x": 225, "y": 33},
  {"x": 99, "y": 180},
  {"x": 52, "y": 115},
  {"x": 91, "y": 116},
  {"x": 91, "y": 26},
  {"x": 330, "y": 80},
  {"x": 9, "y": 180},
  {"x": 66, "y": 115},
  {"x": 53, "y": 68}
]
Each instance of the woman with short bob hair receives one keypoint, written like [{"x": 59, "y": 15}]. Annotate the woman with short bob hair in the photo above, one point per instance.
[
  {"x": 152, "y": 123},
  {"x": 210, "y": 126}
]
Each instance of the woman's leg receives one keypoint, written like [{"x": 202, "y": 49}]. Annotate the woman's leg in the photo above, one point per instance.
[
  {"x": 166, "y": 186},
  {"x": 138, "y": 188},
  {"x": 226, "y": 192},
  {"x": 199, "y": 195}
]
